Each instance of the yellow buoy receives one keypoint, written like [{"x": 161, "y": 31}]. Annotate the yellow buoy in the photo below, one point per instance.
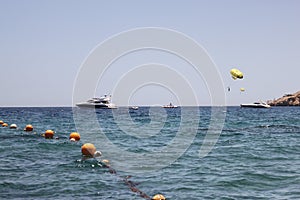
[
  {"x": 74, "y": 136},
  {"x": 28, "y": 127},
  {"x": 158, "y": 197},
  {"x": 1, "y": 122},
  {"x": 88, "y": 149},
  {"x": 49, "y": 134},
  {"x": 13, "y": 126},
  {"x": 4, "y": 125}
]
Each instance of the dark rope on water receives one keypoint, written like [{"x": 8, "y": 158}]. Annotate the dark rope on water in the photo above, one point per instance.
[{"x": 132, "y": 185}]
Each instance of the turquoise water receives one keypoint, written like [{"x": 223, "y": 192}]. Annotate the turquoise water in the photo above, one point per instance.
[{"x": 257, "y": 155}]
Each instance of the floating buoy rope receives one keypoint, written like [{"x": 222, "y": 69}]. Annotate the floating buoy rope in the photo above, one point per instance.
[{"x": 88, "y": 151}]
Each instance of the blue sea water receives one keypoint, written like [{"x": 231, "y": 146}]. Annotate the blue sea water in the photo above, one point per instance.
[{"x": 257, "y": 155}]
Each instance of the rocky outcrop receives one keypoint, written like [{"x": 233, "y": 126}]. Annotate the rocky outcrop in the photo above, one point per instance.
[{"x": 286, "y": 100}]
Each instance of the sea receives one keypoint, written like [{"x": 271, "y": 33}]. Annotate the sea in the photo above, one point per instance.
[{"x": 253, "y": 154}]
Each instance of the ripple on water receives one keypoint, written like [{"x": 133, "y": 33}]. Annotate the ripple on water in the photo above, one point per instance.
[{"x": 256, "y": 157}]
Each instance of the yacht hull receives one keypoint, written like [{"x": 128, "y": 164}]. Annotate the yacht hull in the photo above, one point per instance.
[
  {"x": 102, "y": 102},
  {"x": 102, "y": 106},
  {"x": 254, "y": 106}
]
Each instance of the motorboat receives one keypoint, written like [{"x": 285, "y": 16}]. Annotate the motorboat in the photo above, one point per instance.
[
  {"x": 134, "y": 108},
  {"x": 98, "y": 102},
  {"x": 256, "y": 105},
  {"x": 170, "y": 105}
]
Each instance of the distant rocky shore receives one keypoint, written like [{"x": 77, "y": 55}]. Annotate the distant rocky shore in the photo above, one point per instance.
[{"x": 286, "y": 100}]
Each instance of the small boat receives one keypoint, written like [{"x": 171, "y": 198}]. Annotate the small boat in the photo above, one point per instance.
[
  {"x": 169, "y": 106},
  {"x": 96, "y": 102},
  {"x": 134, "y": 108},
  {"x": 256, "y": 105}
]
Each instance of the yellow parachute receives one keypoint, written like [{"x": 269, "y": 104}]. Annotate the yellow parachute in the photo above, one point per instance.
[
  {"x": 236, "y": 74},
  {"x": 242, "y": 89}
]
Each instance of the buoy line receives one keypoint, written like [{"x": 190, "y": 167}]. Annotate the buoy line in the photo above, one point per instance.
[{"x": 88, "y": 151}]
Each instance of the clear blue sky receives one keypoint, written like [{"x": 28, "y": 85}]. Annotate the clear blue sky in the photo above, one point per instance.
[{"x": 44, "y": 43}]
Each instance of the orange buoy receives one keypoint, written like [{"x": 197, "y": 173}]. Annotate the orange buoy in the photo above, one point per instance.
[
  {"x": 88, "y": 149},
  {"x": 74, "y": 136},
  {"x": 28, "y": 127},
  {"x": 49, "y": 134},
  {"x": 1, "y": 122},
  {"x": 4, "y": 125},
  {"x": 13, "y": 126},
  {"x": 158, "y": 197}
]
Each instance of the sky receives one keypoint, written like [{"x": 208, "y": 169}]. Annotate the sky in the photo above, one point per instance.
[{"x": 43, "y": 45}]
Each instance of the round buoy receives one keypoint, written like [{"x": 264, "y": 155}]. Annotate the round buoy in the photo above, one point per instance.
[
  {"x": 97, "y": 154},
  {"x": 88, "y": 149},
  {"x": 49, "y": 134},
  {"x": 13, "y": 126},
  {"x": 158, "y": 197},
  {"x": 105, "y": 161},
  {"x": 1, "y": 122},
  {"x": 74, "y": 136},
  {"x": 4, "y": 125},
  {"x": 28, "y": 127}
]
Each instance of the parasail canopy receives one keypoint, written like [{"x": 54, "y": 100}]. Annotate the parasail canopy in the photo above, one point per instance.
[{"x": 236, "y": 74}]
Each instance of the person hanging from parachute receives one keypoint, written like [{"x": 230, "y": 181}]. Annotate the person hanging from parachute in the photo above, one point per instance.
[{"x": 235, "y": 74}]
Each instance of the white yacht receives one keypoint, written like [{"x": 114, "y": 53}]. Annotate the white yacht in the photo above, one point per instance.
[
  {"x": 169, "y": 106},
  {"x": 102, "y": 102},
  {"x": 256, "y": 105}
]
